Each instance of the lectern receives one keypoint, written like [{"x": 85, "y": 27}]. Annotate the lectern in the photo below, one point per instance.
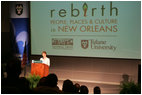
[{"x": 39, "y": 68}]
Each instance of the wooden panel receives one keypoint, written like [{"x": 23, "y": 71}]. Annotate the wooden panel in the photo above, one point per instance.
[{"x": 39, "y": 69}]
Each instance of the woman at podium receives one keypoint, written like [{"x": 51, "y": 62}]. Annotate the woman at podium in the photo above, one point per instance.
[
  {"x": 41, "y": 68},
  {"x": 44, "y": 59}
]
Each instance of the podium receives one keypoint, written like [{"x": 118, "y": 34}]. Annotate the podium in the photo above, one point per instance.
[{"x": 39, "y": 69}]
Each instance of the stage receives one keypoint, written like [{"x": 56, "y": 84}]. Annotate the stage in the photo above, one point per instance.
[
  {"x": 105, "y": 87},
  {"x": 104, "y": 72}
]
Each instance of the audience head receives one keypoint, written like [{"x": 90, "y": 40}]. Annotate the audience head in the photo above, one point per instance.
[
  {"x": 13, "y": 67},
  {"x": 52, "y": 80},
  {"x": 84, "y": 90},
  {"x": 42, "y": 82},
  {"x": 76, "y": 88},
  {"x": 97, "y": 90},
  {"x": 68, "y": 86}
]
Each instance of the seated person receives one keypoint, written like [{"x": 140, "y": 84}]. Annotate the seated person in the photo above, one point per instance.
[
  {"x": 97, "y": 90},
  {"x": 76, "y": 88},
  {"x": 68, "y": 87},
  {"x": 48, "y": 85},
  {"x": 84, "y": 89}
]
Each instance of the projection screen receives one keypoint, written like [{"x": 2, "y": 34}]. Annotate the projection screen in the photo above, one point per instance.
[{"x": 86, "y": 29}]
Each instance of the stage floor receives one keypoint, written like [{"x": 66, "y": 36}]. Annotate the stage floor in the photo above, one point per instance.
[{"x": 105, "y": 88}]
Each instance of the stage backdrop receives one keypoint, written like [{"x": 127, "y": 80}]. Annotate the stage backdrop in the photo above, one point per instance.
[{"x": 87, "y": 29}]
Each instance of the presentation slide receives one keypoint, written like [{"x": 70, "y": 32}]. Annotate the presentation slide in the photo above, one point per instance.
[{"x": 102, "y": 29}]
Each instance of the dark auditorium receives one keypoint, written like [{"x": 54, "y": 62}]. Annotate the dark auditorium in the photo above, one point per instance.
[{"x": 71, "y": 47}]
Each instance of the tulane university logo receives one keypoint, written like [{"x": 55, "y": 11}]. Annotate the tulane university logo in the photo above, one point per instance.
[
  {"x": 84, "y": 44},
  {"x": 19, "y": 9}
]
